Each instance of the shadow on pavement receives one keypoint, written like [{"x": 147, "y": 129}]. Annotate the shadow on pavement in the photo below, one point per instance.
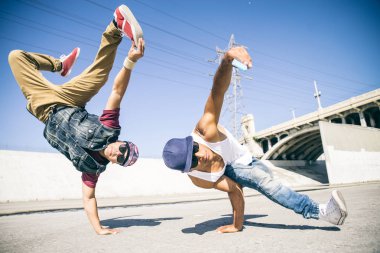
[
  {"x": 122, "y": 222},
  {"x": 283, "y": 226},
  {"x": 212, "y": 225}
]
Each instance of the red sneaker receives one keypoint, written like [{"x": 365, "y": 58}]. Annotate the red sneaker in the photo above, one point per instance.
[
  {"x": 68, "y": 61},
  {"x": 127, "y": 23}
]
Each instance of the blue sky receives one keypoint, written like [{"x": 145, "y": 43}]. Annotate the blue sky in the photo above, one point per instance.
[{"x": 291, "y": 42}]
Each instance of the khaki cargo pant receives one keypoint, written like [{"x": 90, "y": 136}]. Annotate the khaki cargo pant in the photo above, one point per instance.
[{"x": 42, "y": 95}]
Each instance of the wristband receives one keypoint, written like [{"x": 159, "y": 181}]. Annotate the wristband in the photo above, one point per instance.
[
  {"x": 239, "y": 65},
  {"x": 128, "y": 64}
]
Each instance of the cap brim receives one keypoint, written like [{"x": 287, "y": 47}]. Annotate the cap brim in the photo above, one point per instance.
[{"x": 190, "y": 143}]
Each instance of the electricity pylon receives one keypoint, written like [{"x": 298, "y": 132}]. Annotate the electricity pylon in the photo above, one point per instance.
[{"x": 232, "y": 105}]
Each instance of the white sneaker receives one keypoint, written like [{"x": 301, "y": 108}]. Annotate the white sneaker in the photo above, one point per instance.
[
  {"x": 335, "y": 211},
  {"x": 127, "y": 23}
]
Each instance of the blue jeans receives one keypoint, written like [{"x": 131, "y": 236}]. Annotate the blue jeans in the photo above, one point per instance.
[{"x": 258, "y": 176}]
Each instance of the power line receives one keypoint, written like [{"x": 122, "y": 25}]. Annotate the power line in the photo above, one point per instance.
[
  {"x": 44, "y": 25},
  {"x": 136, "y": 72},
  {"x": 27, "y": 44},
  {"x": 178, "y": 19},
  {"x": 306, "y": 78},
  {"x": 271, "y": 102},
  {"x": 301, "y": 99},
  {"x": 289, "y": 88},
  {"x": 189, "y": 58},
  {"x": 171, "y": 80},
  {"x": 93, "y": 45},
  {"x": 170, "y": 64},
  {"x": 298, "y": 76},
  {"x": 68, "y": 38},
  {"x": 175, "y": 64},
  {"x": 168, "y": 52},
  {"x": 185, "y": 54},
  {"x": 290, "y": 85},
  {"x": 257, "y": 51},
  {"x": 59, "y": 13},
  {"x": 158, "y": 28},
  {"x": 142, "y": 73},
  {"x": 313, "y": 69},
  {"x": 180, "y": 56},
  {"x": 176, "y": 69},
  {"x": 48, "y": 31}
]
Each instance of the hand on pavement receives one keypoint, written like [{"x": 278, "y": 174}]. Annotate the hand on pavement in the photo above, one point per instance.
[{"x": 107, "y": 231}]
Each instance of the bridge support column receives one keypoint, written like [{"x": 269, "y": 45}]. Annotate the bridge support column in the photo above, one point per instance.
[
  {"x": 343, "y": 118},
  {"x": 248, "y": 129},
  {"x": 363, "y": 123},
  {"x": 371, "y": 120}
]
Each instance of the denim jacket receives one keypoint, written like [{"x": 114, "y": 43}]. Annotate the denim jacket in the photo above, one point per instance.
[{"x": 71, "y": 130}]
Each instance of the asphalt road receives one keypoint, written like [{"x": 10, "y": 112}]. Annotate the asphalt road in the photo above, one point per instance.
[{"x": 190, "y": 227}]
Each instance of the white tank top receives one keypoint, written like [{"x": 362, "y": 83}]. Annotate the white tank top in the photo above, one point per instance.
[{"x": 229, "y": 149}]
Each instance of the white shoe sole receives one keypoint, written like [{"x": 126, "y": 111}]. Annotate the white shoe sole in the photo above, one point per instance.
[
  {"x": 135, "y": 26},
  {"x": 338, "y": 197}
]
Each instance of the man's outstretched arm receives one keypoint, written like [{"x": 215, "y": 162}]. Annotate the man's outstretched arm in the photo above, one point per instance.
[
  {"x": 207, "y": 125},
  {"x": 91, "y": 207},
  {"x": 122, "y": 79}
]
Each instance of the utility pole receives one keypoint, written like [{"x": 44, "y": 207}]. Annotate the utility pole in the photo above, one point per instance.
[
  {"x": 293, "y": 110},
  {"x": 317, "y": 95},
  {"x": 233, "y": 99}
]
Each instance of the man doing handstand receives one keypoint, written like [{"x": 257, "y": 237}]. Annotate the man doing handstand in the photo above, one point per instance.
[
  {"x": 213, "y": 158},
  {"x": 88, "y": 141}
]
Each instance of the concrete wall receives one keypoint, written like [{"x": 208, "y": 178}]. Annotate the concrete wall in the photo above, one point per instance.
[
  {"x": 352, "y": 152},
  {"x": 300, "y": 172},
  {"x": 303, "y": 172},
  {"x": 28, "y": 176}
]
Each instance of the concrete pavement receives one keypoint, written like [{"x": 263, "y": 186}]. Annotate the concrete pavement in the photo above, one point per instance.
[{"x": 189, "y": 227}]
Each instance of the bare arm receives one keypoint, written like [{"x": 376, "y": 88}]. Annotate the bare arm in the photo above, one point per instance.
[
  {"x": 235, "y": 193},
  {"x": 91, "y": 208},
  {"x": 207, "y": 125},
  {"x": 122, "y": 79}
]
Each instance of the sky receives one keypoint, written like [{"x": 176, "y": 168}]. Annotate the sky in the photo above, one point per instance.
[{"x": 292, "y": 43}]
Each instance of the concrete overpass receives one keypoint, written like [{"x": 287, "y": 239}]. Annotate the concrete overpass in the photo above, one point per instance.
[
  {"x": 300, "y": 139},
  {"x": 355, "y": 123}
]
